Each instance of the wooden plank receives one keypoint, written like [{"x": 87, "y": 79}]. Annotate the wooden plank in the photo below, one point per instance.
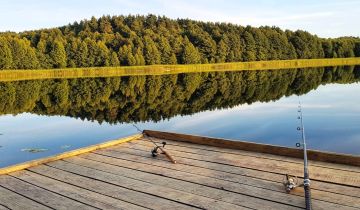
[
  {"x": 205, "y": 149},
  {"x": 85, "y": 196},
  {"x": 146, "y": 187},
  {"x": 221, "y": 181},
  {"x": 2, "y": 207},
  {"x": 215, "y": 168},
  {"x": 18, "y": 202},
  {"x": 40, "y": 195},
  {"x": 321, "y": 200},
  {"x": 105, "y": 188},
  {"x": 194, "y": 184},
  {"x": 255, "y": 147},
  {"x": 219, "y": 152},
  {"x": 72, "y": 153},
  {"x": 142, "y": 157},
  {"x": 328, "y": 175}
]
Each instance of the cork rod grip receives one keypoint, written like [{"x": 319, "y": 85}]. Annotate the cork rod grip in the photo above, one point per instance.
[{"x": 168, "y": 155}]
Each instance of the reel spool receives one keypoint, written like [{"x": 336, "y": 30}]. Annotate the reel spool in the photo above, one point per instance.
[
  {"x": 290, "y": 183},
  {"x": 155, "y": 150}
]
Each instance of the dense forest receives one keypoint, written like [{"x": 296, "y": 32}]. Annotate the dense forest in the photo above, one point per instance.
[
  {"x": 143, "y": 98},
  {"x": 145, "y": 40}
]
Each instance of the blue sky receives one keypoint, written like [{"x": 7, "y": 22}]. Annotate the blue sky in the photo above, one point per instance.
[{"x": 326, "y": 18}]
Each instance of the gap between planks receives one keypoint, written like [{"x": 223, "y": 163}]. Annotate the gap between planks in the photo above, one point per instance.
[
  {"x": 252, "y": 182},
  {"x": 143, "y": 186},
  {"x": 327, "y": 175},
  {"x": 82, "y": 195},
  {"x": 178, "y": 145},
  {"x": 340, "y": 189},
  {"x": 189, "y": 185},
  {"x": 276, "y": 194},
  {"x": 106, "y": 188}
]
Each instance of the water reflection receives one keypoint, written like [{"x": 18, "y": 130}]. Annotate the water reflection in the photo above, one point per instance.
[
  {"x": 154, "y": 98},
  {"x": 257, "y": 106}
]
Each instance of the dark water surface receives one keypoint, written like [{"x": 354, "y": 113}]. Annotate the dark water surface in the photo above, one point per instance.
[{"x": 43, "y": 117}]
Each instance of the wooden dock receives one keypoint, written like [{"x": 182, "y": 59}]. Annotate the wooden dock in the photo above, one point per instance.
[{"x": 209, "y": 174}]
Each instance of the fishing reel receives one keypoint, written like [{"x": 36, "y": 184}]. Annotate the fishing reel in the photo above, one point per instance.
[
  {"x": 290, "y": 183},
  {"x": 155, "y": 151}
]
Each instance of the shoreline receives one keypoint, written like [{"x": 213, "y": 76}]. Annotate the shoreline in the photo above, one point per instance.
[{"x": 93, "y": 72}]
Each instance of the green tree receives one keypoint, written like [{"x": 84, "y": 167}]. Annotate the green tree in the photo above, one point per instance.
[
  {"x": 190, "y": 54},
  {"x": 114, "y": 60},
  {"x": 81, "y": 57},
  {"x": 102, "y": 54},
  {"x": 203, "y": 42},
  {"x": 151, "y": 52},
  {"x": 250, "y": 49},
  {"x": 24, "y": 56},
  {"x": 154, "y": 40},
  {"x": 93, "y": 24},
  {"x": 58, "y": 55},
  {"x": 126, "y": 56},
  {"x": 357, "y": 49},
  {"x": 166, "y": 52},
  {"x": 105, "y": 25},
  {"x": 173, "y": 59},
  {"x": 71, "y": 52},
  {"x": 92, "y": 51},
  {"x": 236, "y": 48},
  {"x": 222, "y": 51},
  {"x": 328, "y": 49},
  {"x": 42, "y": 55},
  {"x": 344, "y": 48},
  {"x": 306, "y": 45},
  {"x": 5, "y": 54},
  {"x": 262, "y": 44},
  {"x": 139, "y": 58}
]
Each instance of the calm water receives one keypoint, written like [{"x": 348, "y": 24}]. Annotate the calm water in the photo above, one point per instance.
[{"x": 259, "y": 106}]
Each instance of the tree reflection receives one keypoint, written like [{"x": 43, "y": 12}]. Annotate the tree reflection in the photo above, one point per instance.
[{"x": 144, "y": 98}]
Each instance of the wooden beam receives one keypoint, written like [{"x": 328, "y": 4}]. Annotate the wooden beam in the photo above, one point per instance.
[
  {"x": 32, "y": 163},
  {"x": 256, "y": 147}
]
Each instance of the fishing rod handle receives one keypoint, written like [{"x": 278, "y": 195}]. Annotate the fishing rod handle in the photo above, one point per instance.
[
  {"x": 307, "y": 197},
  {"x": 168, "y": 155}
]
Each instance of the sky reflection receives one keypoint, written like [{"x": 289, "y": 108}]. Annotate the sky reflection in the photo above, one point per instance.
[{"x": 331, "y": 116}]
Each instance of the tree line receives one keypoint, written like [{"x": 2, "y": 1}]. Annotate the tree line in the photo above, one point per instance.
[
  {"x": 145, "y": 40},
  {"x": 144, "y": 98}
]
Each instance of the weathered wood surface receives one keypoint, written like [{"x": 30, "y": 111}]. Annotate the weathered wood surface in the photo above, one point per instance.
[
  {"x": 220, "y": 180},
  {"x": 40, "y": 195},
  {"x": 204, "y": 149},
  {"x": 103, "y": 187},
  {"x": 11, "y": 199},
  {"x": 125, "y": 176},
  {"x": 226, "y": 171},
  {"x": 317, "y": 173},
  {"x": 191, "y": 185},
  {"x": 260, "y": 148},
  {"x": 80, "y": 194}
]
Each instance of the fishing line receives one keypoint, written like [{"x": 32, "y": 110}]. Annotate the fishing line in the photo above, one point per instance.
[{"x": 291, "y": 182}]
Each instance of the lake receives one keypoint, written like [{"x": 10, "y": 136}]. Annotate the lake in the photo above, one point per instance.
[{"x": 40, "y": 118}]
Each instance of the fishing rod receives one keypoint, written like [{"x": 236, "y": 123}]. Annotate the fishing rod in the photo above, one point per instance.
[
  {"x": 291, "y": 182},
  {"x": 155, "y": 151}
]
